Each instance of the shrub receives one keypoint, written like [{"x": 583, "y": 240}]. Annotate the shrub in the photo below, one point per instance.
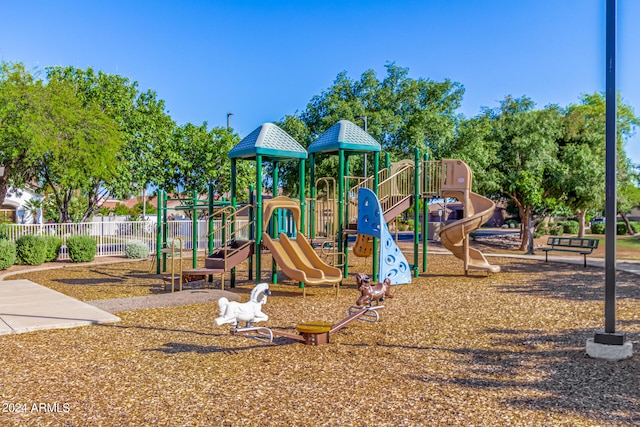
[
  {"x": 597, "y": 228},
  {"x": 541, "y": 231},
  {"x": 555, "y": 230},
  {"x": 635, "y": 225},
  {"x": 31, "y": 250},
  {"x": 81, "y": 248},
  {"x": 410, "y": 224},
  {"x": 511, "y": 223},
  {"x": 621, "y": 228},
  {"x": 571, "y": 227},
  {"x": 53, "y": 244},
  {"x": 121, "y": 209},
  {"x": 136, "y": 249},
  {"x": 7, "y": 254}
]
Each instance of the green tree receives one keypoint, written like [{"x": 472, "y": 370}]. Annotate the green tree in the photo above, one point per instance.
[
  {"x": 18, "y": 89},
  {"x": 76, "y": 146},
  {"x": 582, "y": 155},
  {"x": 147, "y": 132},
  {"x": 121, "y": 209},
  {"x": 402, "y": 114},
  {"x": 628, "y": 194},
  {"x": 196, "y": 157},
  {"x": 32, "y": 206},
  {"x": 582, "y": 180},
  {"x": 519, "y": 145},
  {"x": 141, "y": 120}
]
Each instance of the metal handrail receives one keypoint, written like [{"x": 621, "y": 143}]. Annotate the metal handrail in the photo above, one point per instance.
[{"x": 229, "y": 229}]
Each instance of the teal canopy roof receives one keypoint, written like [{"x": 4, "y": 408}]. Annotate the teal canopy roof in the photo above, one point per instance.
[
  {"x": 345, "y": 135},
  {"x": 268, "y": 140}
]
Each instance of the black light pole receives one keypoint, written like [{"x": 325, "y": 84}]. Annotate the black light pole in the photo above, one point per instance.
[
  {"x": 229, "y": 121},
  {"x": 364, "y": 119},
  {"x": 609, "y": 336}
]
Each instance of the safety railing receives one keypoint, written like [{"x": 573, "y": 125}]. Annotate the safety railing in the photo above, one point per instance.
[
  {"x": 229, "y": 228},
  {"x": 392, "y": 189},
  {"x": 432, "y": 174}
]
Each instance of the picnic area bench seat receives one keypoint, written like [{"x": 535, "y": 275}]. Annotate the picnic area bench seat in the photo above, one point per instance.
[{"x": 583, "y": 246}]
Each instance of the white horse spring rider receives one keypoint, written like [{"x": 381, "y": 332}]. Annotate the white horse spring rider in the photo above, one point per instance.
[{"x": 249, "y": 312}]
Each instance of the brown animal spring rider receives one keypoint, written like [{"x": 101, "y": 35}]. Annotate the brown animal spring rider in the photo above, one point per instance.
[{"x": 315, "y": 333}]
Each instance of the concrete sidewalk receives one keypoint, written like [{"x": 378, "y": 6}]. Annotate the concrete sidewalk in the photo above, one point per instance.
[{"x": 26, "y": 306}]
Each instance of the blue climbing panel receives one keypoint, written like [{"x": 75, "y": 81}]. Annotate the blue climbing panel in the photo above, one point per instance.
[{"x": 393, "y": 264}]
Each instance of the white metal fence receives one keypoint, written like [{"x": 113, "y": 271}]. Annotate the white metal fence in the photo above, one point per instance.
[{"x": 111, "y": 237}]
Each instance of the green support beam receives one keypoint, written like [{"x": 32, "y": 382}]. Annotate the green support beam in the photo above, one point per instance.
[
  {"x": 258, "y": 216},
  {"x": 374, "y": 252},
  {"x": 425, "y": 213},
  {"x": 416, "y": 211},
  {"x": 341, "y": 248},
  {"x": 234, "y": 203},
  {"x": 274, "y": 222}
]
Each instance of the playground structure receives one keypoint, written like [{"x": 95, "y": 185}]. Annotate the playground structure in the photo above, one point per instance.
[
  {"x": 285, "y": 227},
  {"x": 393, "y": 264},
  {"x": 297, "y": 258}
]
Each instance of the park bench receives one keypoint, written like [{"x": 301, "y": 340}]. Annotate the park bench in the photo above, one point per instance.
[{"x": 570, "y": 244}]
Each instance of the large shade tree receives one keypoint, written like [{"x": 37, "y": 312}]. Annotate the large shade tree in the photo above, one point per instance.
[
  {"x": 402, "y": 113},
  {"x": 141, "y": 121},
  {"x": 18, "y": 99},
  {"x": 516, "y": 150},
  {"x": 196, "y": 157},
  {"x": 76, "y": 148},
  {"x": 582, "y": 156}
]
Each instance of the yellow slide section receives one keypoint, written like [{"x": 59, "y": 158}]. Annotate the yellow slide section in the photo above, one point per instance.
[
  {"x": 455, "y": 237},
  {"x": 297, "y": 259}
]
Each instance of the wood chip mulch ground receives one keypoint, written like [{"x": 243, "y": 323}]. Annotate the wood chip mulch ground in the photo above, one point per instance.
[{"x": 504, "y": 349}]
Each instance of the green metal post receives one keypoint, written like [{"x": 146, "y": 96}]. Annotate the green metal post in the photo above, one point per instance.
[
  {"x": 274, "y": 222},
  {"x": 416, "y": 211},
  {"x": 341, "y": 248},
  {"x": 194, "y": 244},
  {"x": 387, "y": 160},
  {"x": 347, "y": 197},
  {"x": 374, "y": 252},
  {"x": 425, "y": 212},
  {"x": 312, "y": 212},
  {"x": 303, "y": 201},
  {"x": 159, "y": 229},
  {"x": 165, "y": 229},
  {"x": 258, "y": 215},
  {"x": 252, "y": 229},
  {"x": 233, "y": 191},
  {"x": 210, "y": 223}
]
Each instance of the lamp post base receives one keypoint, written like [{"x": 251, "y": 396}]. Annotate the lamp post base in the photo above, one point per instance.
[{"x": 612, "y": 352}]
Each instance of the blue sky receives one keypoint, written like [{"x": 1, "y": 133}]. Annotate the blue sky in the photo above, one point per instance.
[{"x": 263, "y": 60}]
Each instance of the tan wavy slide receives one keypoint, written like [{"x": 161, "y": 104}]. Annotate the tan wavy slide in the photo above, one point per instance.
[{"x": 454, "y": 236}]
